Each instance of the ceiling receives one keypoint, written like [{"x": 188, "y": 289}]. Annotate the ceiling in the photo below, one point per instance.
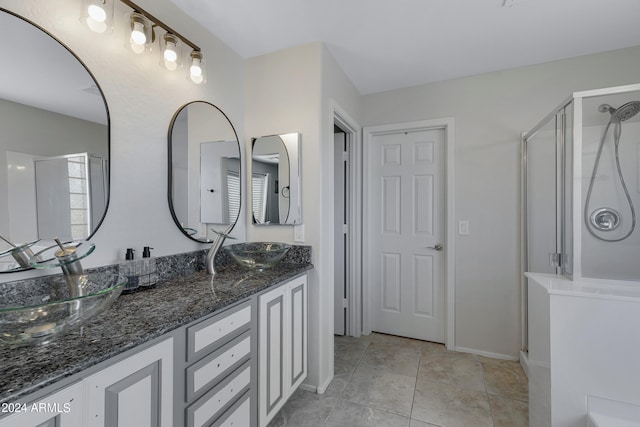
[{"x": 390, "y": 44}]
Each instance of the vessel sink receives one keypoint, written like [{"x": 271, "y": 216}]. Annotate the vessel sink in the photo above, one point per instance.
[
  {"x": 257, "y": 255},
  {"x": 34, "y": 314}
]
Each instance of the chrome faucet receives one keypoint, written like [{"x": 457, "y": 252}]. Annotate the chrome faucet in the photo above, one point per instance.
[{"x": 217, "y": 244}]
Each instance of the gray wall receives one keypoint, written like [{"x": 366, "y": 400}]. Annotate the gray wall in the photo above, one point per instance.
[{"x": 491, "y": 111}]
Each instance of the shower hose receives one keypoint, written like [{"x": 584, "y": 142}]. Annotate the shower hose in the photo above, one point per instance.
[{"x": 617, "y": 131}]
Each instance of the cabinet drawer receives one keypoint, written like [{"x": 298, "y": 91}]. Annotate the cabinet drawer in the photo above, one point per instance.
[
  {"x": 205, "y": 373},
  {"x": 209, "y": 406},
  {"x": 239, "y": 415},
  {"x": 207, "y": 335}
]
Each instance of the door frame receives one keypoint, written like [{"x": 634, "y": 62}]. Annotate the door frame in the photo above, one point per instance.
[
  {"x": 354, "y": 247},
  {"x": 369, "y": 132}
]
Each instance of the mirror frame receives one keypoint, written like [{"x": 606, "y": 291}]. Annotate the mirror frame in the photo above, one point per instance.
[
  {"x": 108, "y": 123},
  {"x": 170, "y": 169}
]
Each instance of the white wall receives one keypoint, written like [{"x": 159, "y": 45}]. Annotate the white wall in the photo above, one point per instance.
[
  {"x": 142, "y": 98},
  {"x": 283, "y": 96},
  {"x": 292, "y": 91},
  {"x": 491, "y": 111}
]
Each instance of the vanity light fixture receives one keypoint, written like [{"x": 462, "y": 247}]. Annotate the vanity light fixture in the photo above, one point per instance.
[
  {"x": 142, "y": 27},
  {"x": 170, "y": 53},
  {"x": 138, "y": 29},
  {"x": 195, "y": 71}
]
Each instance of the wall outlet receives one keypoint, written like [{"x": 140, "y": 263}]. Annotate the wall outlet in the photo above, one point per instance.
[{"x": 298, "y": 233}]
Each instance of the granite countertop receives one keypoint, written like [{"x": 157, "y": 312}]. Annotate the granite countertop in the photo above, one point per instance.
[{"x": 131, "y": 321}]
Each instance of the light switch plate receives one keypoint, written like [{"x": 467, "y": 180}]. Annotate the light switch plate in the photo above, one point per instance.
[
  {"x": 463, "y": 227},
  {"x": 298, "y": 233}
]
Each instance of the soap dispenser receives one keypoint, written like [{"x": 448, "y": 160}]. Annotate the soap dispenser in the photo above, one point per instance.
[
  {"x": 128, "y": 268},
  {"x": 149, "y": 273}
]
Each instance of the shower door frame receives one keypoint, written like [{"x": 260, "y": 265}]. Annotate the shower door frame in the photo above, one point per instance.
[{"x": 560, "y": 174}]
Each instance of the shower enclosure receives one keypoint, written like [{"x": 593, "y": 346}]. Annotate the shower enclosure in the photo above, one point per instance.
[{"x": 581, "y": 189}]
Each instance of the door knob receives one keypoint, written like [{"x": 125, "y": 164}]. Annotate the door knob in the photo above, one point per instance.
[
  {"x": 437, "y": 247},
  {"x": 211, "y": 190}
]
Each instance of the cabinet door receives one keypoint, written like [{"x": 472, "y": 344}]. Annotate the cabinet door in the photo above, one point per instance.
[
  {"x": 298, "y": 332},
  {"x": 282, "y": 345},
  {"x": 64, "y": 408},
  {"x": 136, "y": 392},
  {"x": 272, "y": 351}
]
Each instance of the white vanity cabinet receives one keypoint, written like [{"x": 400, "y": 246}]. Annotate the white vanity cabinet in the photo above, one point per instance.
[
  {"x": 234, "y": 367},
  {"x": 136, "y": 392},
  {"x": 282, "y": 343},
  {"x": 64, "y": 408}
]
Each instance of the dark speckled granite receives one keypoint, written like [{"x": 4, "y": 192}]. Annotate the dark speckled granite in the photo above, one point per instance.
[{"x": 135, "y": 319}]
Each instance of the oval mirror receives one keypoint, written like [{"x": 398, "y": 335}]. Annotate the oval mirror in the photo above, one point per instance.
[
  {"x": 204, "y": 171},
  {"x": 275, "y": 180},
  {"x": 54, "y": 145}
]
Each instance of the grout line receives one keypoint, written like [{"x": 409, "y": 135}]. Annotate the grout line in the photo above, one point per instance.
[{"x": 415, "y": 386}]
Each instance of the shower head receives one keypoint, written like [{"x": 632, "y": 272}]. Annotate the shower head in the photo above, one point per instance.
[
  {"x": 622, "y": 113},
  {"x": 626, "y": 111}
]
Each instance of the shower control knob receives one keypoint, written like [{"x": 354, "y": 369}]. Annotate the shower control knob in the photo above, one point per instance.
[{"x": 437, "y": 247}]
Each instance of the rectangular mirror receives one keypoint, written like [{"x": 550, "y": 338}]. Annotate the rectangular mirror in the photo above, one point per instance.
[{"x": 275, "y": 180}]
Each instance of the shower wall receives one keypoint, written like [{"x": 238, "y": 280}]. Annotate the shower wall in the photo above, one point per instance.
[{"x": 611, "y": 260}]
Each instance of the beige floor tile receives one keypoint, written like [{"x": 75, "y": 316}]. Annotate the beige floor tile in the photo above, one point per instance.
[
  {"x": 349, "y": 350},
  {"x": 450, "y": 389},
  {"x": 342, "y": 371},
  {"x": 505, "y": 378},
  {"x": 450, "y": 367},
  {"x": 356, "y": 415},
  {"x": 392, "y": 358},
  {"x": 509, "y": 412},
  {"x": 450, "y": 406},
  {"x": 305, "y": 409},
  {"x": 428, "y": 347},
  {"x": 385, "y": 390}
]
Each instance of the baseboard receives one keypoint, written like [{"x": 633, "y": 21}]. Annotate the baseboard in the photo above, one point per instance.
[
  {"x": 485, "y": 353},
  {"x": 322, "y": 388},
  {"x": 524, "y": 362},
  {"x": 309, "y": 387}
]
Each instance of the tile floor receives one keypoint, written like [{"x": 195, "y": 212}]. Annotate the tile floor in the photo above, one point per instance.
[{"x": 383, "y": 380}]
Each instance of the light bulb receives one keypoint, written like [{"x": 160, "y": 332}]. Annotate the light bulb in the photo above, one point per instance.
[
  {"x": 137, "y": 33},
  {"x": 196, "y": 70},
  {"x": 170, "y": 53},
  {"x": 97, "y": 13},
  {"x": 96, "y": 18}
]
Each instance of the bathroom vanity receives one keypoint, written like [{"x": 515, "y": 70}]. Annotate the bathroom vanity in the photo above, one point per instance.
[{"x": 193, "y": 351}]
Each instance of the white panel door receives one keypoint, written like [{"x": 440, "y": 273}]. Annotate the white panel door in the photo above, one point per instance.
[{"x": 406, "y": 211}]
